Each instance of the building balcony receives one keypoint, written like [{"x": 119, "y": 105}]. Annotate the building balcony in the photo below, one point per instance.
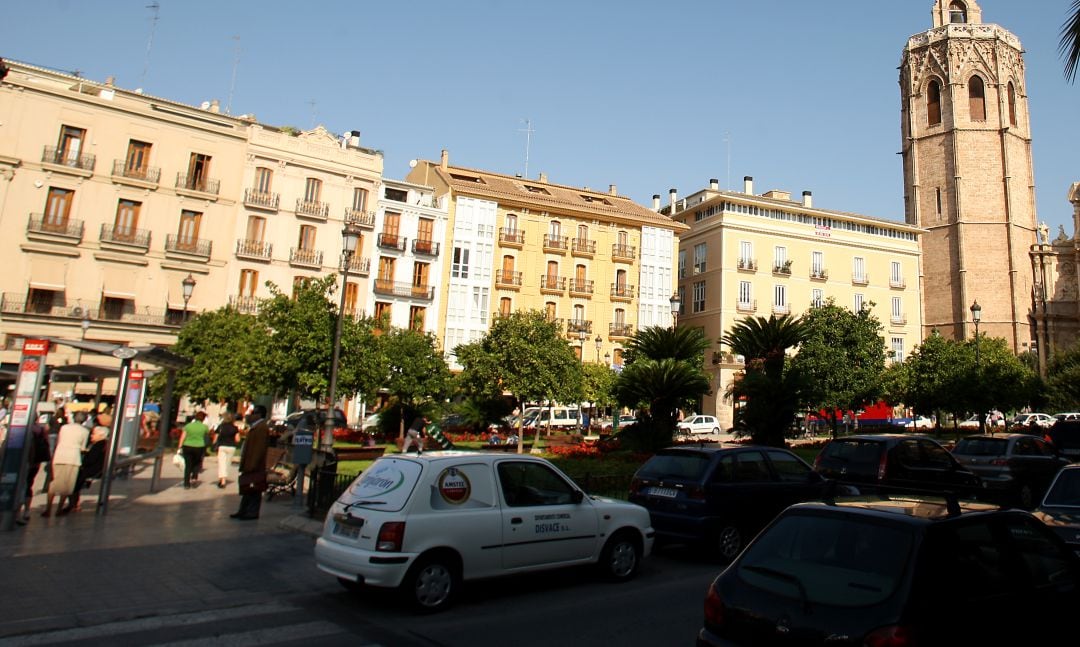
[
  {"x": 819, "y": 274},
  {"x": 860, "y": 279},
  {"x": 620, "y": 330},
  {"x": 360, "y": 265},
  {"x": 67, "y": 230},
  {"x": 391, "y": 241},
  {"x": 557, "y": 322},
  {"x": 248, "y": 305},
  {"x": 197, "y": 184},
  {"x": 746, "y": 264},
  {"x": 624, "y": 253},
  {"x": 508, "y": 279},
  {"x": 746, "y": 306},
  {"x": 312, "y": 209},
  {"x": 126, "y": 237},
  {"x": 512, "y": 237},
  {"x": 782, "y": 269},
  {"x": 258, "y": 250},
  {"x": 65, "y": 161},
  {"x": 305, "y": 257},
  {"x": 781, "y": 309},
  {"x": 583, "y": 247},
  {"x": 145, "y": 176},
  {"x": 16, "y": 304},
  {"x": 261, "y": 199},
  {"x": 557, "y": 244},
  {"x": 360, "y": 218},
  {"x": 426, "y": 247},
  {"x": 188, "y": 246},
  {"x": 552, "y": 284},
  {"x": 574, "y": 326},
  {"x": 897, "y": 282},
  {"x": 581, "y": 287},
  {"x": 402, "y": 289},
  {"x": 898, "y": 319},
  {"x": 622, "y": 292}
]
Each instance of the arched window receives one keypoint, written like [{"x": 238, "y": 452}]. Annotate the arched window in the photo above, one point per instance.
[
  {"x": 1012, "y": 104},
  {"x": 957, "y": 13},
  {"x": 933, "y": 103},
  {"x": 977, "y": 99}
]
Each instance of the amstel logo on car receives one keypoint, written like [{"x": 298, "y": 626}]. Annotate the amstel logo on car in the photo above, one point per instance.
[{"x": 454, "y": 486}]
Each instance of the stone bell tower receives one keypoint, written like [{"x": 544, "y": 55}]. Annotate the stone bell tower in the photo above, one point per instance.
[{"x": 968, "y": 175}]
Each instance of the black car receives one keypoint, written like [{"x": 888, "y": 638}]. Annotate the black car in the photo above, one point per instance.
[
  {"x": 1015, "y": 469},
  {"x": 1060, "y": 508},
  {"x": 719, "y": 496},
  {"x": 913, "y": 571},
  {"x": 873, "y": 463},
  {"x": 1065, "y": 435}
]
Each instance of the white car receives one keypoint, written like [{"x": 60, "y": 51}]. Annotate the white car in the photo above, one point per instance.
[
  {"x": 698, "y": 425},
  {"x": 424, "y": 524},
  {"x": 973, "y": 423},
  {"x": 920, "y": 422},
  {"x": 1030, "y": 420}
]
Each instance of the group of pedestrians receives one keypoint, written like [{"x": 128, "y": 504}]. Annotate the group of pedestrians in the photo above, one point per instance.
[{"x": 77, "y": 458}]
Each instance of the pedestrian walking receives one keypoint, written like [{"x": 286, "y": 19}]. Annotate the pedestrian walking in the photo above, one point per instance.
[
  {"x": 415, "y": 434},
  {"x": 193, "y": 442},
  {"x": 252, "y": 480},
  {"x": 93, "y": 462},
  {"x": 226, "y": 438},
  {"x": 67, "y": 458},
  {"x": 39, "y": 453}
]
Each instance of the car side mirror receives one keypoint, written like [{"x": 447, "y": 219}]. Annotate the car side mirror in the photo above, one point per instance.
[{"x": 577, "y": 496}]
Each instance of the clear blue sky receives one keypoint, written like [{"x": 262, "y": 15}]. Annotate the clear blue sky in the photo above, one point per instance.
[{"x": 637, "y": 93}]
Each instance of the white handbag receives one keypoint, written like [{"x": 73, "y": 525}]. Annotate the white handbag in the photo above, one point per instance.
[{"x": 178, "y": 459}]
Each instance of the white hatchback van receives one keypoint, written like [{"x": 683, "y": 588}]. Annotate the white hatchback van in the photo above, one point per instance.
[
  {"x": 426, "y": 523},
  {"x": 557, "y": 417}
]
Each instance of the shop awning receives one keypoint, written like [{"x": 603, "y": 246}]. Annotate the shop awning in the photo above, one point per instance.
[
  {"x": 119, "y": 283},
  {"x": 48, "y": 274}
]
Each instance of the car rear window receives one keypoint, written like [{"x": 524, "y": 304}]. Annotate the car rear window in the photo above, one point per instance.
[
  {"x": 681, "y": 465},
  {"x": 982, "y": 447},
  {"x": 386, "y": 485},
  {"x": 828, "y": 560},
  {"x": 1065, "y": 491},
  {"x": 854, "y": 451}
]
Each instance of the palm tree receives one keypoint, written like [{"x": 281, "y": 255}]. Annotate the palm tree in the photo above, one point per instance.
[
  {"x": 1070, "y": 41},
  {"x": 771, "y": 394},
  {"x": 656, "y": 342},
  {"x": 658, "y": 388}
]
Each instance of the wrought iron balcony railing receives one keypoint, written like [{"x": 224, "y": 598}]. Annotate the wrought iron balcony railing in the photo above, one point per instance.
[
  {"x": 555, "y": 283},
  {"x": 509, "y": 236},
  {"x": 59, "y": 157},
  {"x": 860, "y": 279},
  {"x": 746, "y": 306},
  {"x": 259, "y": 249},
  {"x": 819, "y": 274},
  {"x": 261, "y": 199},
  {"x": 508, "y": 277},
  {"x": 748, "y": 264},
  {"x": 578, "y": 325},
  {"x": 622, "y": 291},
  {"x": 359, "y": 265},
  {"x": 360, "y": 218},
  {"x": 556, "y": 242},
  {"x": 126, "y": 236},
  {"x": 584, "y": 246},
  {"x": 307, "y": 257},
  {"x": 402, "y": 289},
  {"x": 186, "y": 245},
  {"x": 312, "y": 209},
  {"x": 68, "y": 227},
  {"x": 245, "y": 304},
  {"x": 581, "y": 286},
  {"x": 198, "y": 183},
  {"x": 623, "y": 252},
  {"x": 149, "y": 174},
  {"x": 391, "y": 241},
  {"x": 620, "y": 330},
  {"x": 427, "y": 247}
]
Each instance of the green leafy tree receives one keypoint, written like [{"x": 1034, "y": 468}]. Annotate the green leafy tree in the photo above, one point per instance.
[
  {"x": 227, "y": 350},
  {"x": 524, "y": 355},
  {"x": 840, "y": 360},
  {"x": 934, "y": 375},
  {"x": 999, "y": 380},
  {"x": 417, "y": 374},
  {"x": 598, "y": 384},
  {"x": 1063, "y": 380},
  {"x": 769, "y": 392}
]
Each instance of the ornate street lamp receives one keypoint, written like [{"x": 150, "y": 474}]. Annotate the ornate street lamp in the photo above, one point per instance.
[
  {"x": 350, "y": 236},
  {"x": 676, "y": 305},
  {"x": 582, "y": 336},
  {"x": 607, "y": 359},
  {"x": 599, "y": 344},
  {"x": 188, "y": 286},
  {"x": 976, "y": 316}
]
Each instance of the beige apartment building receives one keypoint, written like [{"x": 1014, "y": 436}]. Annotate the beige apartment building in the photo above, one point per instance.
[
  {"x": 1055, "y": 268},
  {"x": 760, "y": 255},
  {"x": 110, "y": 199},
  {"x": 596, "y": 262}
]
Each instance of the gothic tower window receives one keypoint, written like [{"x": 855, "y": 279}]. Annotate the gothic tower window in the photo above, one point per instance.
[
  {"x": 933, "y": 103},
  {"x": 957, "y": 13},
  {"x": 977, "y": 99},
  {"x": 1012, "y": 104}
]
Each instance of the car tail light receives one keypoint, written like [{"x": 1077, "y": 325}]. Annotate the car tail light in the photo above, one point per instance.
[
  {"x": 391, "y": 536},
  {"x": 999, "y": 461},
  {"x": 635, "y": 485},
  {"x": 890, "y": 636},
  {"x": 696, "y": 493},
  {"x": 882, "y": 464},
  {"x": 714, "y": 609}
]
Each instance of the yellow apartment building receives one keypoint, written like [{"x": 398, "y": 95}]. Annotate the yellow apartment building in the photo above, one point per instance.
[
  {"x": 757, "y": 255},
  {"x": 596, "y": 262}
]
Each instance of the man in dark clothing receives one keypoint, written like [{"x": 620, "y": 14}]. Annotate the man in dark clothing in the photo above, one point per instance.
[{"x": 252, "y": 464}]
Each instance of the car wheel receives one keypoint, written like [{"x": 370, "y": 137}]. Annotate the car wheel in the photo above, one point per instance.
[
  {"x": 1025, "y": 497},
  {"x": 727, "y": 542},
  {"x": 431, "y": 583},
  {"x": 621, "y": 557},
  {"x": 715, "y": 431}
]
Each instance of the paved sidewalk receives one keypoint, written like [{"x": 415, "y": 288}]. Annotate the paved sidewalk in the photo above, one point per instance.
[{"x": 163, "y": 552}]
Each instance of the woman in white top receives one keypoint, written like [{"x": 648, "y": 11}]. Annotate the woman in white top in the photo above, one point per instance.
[{"x": 67, "y": 457}]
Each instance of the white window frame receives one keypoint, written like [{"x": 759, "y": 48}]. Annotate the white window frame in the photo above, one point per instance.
[
  {"x": 746, "y": 293},
  {"x": 817, "y": 297},
  {"x": 701, "y": 252},
  {"x": 699, "y": 296}
]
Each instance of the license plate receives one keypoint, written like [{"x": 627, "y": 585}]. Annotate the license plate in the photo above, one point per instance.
[
  {"x": 663, "y": 491},
  {"x": 348, "y": 532}
]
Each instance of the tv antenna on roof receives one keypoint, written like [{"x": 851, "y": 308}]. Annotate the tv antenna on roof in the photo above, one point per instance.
[
  {"x": 528, "y": 130},
  {"x": 154, "y": 6},
  {"x": 232, "y": 85}
]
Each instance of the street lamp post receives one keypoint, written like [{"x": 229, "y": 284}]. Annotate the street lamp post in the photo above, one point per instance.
[
  {"x": 599, "y": 345},
  {"x": 607, "y": 359},
  {"x": 85, "y": 326},
  {"x": 350, "y": 236},
  {"x": 582, "y": 336},
  {"x": 188, "y": 286},
  {"x": 976, "y": 316},
  {"x": 676, "y": 305}
]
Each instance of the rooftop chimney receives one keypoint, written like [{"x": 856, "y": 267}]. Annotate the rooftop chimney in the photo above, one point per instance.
[
  {"x": 714, "y": 184},
  {"x": 613, "y": 190},
  {"x": 215, "y": 106},
  {"x": 673, "y": 195},
  {"x": 543, "y": 177},
  {"x": 656, "y": 202},
  {"x": 110, "y": 80},
  {"x": 748, "y": 184},
  {"x": 807, "y": 199},
  {"x": 444, "y": 162}
]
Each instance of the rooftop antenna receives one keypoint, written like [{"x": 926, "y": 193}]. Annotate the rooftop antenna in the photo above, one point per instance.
[
  {"x": 232, "y": 85},
  {"x": 528, "y": 130},
  {"x": 153, "y": 6},
  {"x": 312, "y": 103},
  {"x": 727, "y": 143}
]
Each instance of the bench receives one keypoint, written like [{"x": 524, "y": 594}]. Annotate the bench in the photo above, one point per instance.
[{"x": 358, "y": 453}]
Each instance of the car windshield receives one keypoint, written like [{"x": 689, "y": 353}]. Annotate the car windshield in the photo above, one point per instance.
[
  {"x": 681, "y": 465},
  {"x": 1065, "y": 491},
  {"x": 982, "y": 447},
  {"x": 858, "y": 451},
  {"x": 831, "y": 561}
]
